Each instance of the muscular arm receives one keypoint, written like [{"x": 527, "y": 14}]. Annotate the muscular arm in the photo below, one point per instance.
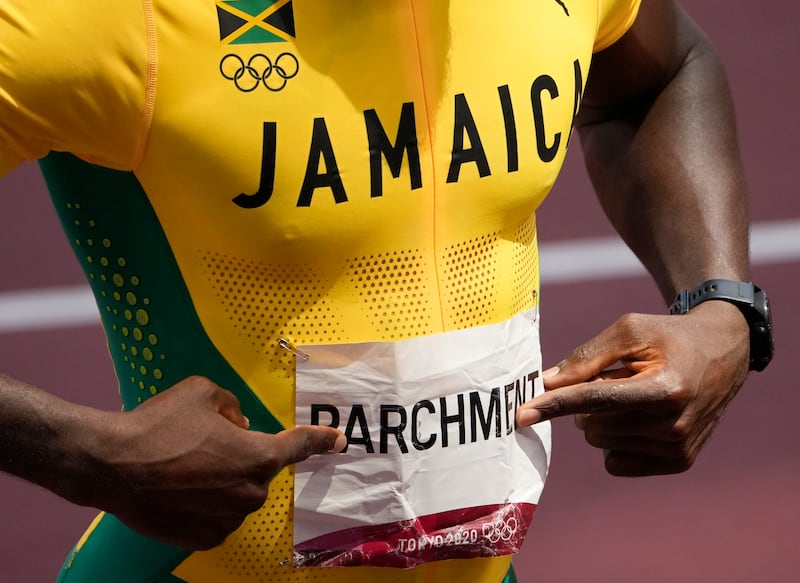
[
  {"x": 658, "y": 133},
  {"x": 181, "y": 468},
  {"x": 657, "y": 128},
  {"x": 45, "y": 440}
]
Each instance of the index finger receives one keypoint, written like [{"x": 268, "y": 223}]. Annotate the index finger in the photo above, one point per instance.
[
  {"x": 295, "y": 445},
  {"x": 599, "y": 396},
  {"x": 632, "y": 338}
]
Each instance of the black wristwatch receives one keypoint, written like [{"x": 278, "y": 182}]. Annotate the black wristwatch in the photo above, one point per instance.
[{"x": 750, "y": 300}]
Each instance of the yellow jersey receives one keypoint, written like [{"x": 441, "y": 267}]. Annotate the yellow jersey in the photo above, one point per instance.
[{"x": 236, "y": 172}]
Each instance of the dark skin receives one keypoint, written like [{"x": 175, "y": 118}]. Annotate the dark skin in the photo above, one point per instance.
[
  {"x": 657, "y": 129},
  {"x": 165, "y": 469},
  {"x": 656, "y": 126}
]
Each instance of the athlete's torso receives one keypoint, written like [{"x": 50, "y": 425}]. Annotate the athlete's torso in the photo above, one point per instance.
[{"x": 324, "y": 172}]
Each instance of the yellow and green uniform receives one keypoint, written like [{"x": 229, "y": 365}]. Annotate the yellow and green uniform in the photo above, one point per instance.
[{"x": 238, "y": 172}]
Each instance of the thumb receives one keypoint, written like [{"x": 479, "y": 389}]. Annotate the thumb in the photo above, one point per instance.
[{"x": 297, "y": 444}]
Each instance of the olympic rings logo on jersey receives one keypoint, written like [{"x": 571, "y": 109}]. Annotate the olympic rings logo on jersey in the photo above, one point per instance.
[
  {"x": 259, "y": 69},
  {"x": 499, "y": 530}
]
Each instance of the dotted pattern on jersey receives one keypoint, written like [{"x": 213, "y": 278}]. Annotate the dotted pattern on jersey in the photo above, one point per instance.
[
  {"x": 468, "y": 282},
  {"x": 266, "y": 302},
  {"x": 269, "y": 302},
  {"x": 526, "y": 267},
  {"x": 126, "y": 306},
  {"x": 393, "y": 293}
]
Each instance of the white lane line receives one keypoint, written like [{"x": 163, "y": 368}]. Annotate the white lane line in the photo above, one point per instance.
[
  {"x": 38, "y": 309},
  {"x": 566, "y": 262},
  {"x": 581, "y": 260}
]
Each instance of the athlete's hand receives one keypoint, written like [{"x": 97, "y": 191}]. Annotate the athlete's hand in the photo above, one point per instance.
[
  {"x": 652, "y": 414},
  {"x": 188, "y": 469}
]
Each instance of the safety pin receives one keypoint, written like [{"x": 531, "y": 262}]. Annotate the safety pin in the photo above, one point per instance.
[{"x": 286, "y": 345}]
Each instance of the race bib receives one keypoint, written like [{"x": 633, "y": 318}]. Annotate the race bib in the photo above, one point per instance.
[{"x": 435, "y": 467}]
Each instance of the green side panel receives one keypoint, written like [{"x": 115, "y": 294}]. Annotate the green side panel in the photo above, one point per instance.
[
  {"x": 510, "y": 577},
  {"x": 154, "y": 335},
  {"x": 251, "y": 7},
  {"x": 255, "y": 36},
  {"x": 116, "y": 553}
]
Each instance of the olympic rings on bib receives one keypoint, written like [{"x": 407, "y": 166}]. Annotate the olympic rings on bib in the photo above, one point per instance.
[
  {"x": 500, "y": 529},
  {"x": 259, "y": 69}
]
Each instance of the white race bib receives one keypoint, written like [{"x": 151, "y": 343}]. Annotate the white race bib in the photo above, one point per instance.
[{"x": 434, "y": 468}]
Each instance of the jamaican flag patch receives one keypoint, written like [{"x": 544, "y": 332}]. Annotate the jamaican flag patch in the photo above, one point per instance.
[{"x": 247, "y": 22}]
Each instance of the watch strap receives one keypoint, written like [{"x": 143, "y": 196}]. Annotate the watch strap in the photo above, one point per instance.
[
  {"x": 713, "y": 289},
  {"x": 751, "y": 301}
]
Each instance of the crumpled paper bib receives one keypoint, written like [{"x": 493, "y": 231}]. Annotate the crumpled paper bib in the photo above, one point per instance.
[{"x": 434, "y": 468}]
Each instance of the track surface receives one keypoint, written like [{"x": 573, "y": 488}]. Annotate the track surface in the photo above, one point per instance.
[{"x": 735, "y": 517}]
